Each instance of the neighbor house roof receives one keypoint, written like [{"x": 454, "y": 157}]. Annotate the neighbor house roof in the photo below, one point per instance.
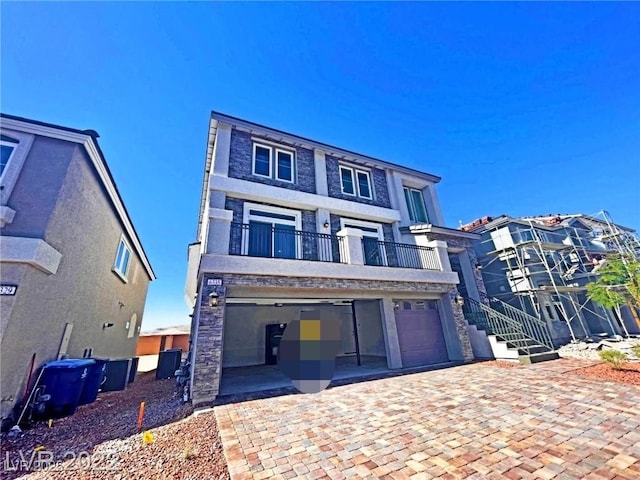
[
  {"x": 175, "y": 330},
  {"x": 89, "y": 140}
]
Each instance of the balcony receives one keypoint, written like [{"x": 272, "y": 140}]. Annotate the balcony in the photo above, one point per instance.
[
  {"x": 269, "y": 241},
  {"x": 401, "y": 255},
  {"x": 265, "y": 240}
]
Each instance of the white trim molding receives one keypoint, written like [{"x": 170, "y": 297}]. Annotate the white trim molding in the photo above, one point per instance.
[
  {"x": 9, "y": 176},
  {"x": 6, "y": 215},
  {"x": 89, "y": 143},
  {"x": 242, "y": 265},
  {"x": 31, "y": 251},
  {"x": 258, "y": 192}
]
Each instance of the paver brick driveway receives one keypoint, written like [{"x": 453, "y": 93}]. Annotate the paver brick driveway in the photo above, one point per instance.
[{"x": 472, "y": 421}]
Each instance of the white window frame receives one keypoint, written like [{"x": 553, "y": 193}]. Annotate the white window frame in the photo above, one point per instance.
[
  {"x": 277, "y": 166},
  {"x": 117, "y": 266},
  {"x": 255, "y": 148},
  {"x": 347, "y": 222},
  {"x": 11, "y": 172},
  {"x": 14, "y": 146},
  {"x": 411, "y": 206},
  {"x": 248, "y": 216},
  {"x": 356, "y": 184},
  {"x": 274, "y": 173}
]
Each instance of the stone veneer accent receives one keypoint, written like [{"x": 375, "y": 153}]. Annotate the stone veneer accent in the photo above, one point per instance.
[
  {"x": 241, "y": 163},
  {"x": 207, "y": 359},
  {"x": 378, "y": 180},
  {"x": 461, "y": 326},
  {"x": 467, "y": 244},
  {"x": 207, "y": 362}
]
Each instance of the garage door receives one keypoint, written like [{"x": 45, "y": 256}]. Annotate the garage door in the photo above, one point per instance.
[{"x": 421, "y": 338}]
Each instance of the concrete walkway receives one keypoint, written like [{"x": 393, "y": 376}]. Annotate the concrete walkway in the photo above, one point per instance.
[{"x": 473, "y": 421}]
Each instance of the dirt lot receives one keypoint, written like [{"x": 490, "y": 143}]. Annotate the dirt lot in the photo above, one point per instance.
[{"x": 101, "y": 440}]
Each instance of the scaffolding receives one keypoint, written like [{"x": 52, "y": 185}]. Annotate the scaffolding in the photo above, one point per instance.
[{"x": 549, "y": 260}]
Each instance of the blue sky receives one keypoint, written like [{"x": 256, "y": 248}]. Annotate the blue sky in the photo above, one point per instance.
[{"x": 523, "y": 108}]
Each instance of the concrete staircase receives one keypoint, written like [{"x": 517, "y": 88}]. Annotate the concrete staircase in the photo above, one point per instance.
[
  {"x": 524, "y": 350},
  {"x": 512, "y": 334}
]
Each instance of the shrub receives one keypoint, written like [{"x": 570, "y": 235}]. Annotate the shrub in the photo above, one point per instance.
[
  {"x": 615, "y": 358},
  {"x": 636, "y": 350}
]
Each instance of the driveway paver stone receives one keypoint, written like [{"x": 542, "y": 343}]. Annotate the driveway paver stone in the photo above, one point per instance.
[{"x": 471, "y": 421}]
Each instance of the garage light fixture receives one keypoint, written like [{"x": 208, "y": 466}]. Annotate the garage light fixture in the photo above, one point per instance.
[{"x": 213, "y": 299}]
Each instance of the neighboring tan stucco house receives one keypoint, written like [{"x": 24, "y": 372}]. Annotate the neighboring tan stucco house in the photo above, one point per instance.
[
  {"x": 155, "y": 341},
  {"x": 289, "y": 224},
  {"x": 74, "y": 274}
]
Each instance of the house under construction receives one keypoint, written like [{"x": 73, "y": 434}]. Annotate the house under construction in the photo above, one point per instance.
[{"x": 541, "y": 265}]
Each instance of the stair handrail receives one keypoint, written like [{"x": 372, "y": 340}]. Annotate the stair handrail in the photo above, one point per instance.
[
  {"x": 500, "y": 324},
  {"x": 534, "y": 327}
]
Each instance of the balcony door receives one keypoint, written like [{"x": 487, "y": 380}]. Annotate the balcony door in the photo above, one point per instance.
[
  {"x": 373, "y": 251},
  {"x": 272, "y": 232}
]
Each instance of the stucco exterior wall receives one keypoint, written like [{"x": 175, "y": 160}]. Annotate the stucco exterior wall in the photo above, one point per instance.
[
  {"x": 84, "y": 291},
  {"x": 150, "y": 344},
  {"x": 36, "y": 191}
]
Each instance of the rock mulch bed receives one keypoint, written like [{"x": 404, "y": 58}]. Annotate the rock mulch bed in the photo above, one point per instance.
[
  {"x": 101, "y": 440},
  {"x": 589, "y": 351},
  {"x": 629, "y": 373}
]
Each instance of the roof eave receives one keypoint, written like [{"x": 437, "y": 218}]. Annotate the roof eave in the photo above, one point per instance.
[
  {"x": 88, "y": 139},
  {"x": 321, "y": 146}
]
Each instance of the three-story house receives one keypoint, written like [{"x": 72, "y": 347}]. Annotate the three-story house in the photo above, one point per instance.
[{"x": 288, "y": 224}]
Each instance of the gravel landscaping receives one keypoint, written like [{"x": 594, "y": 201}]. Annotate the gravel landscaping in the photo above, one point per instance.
[
  {"x": 629, "y": 373},
  {"x": 589, "y": 351},
  {"x": 101, "y": 440}
]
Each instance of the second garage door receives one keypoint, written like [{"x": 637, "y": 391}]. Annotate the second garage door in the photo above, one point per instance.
[{"x": 421, "y": 338}]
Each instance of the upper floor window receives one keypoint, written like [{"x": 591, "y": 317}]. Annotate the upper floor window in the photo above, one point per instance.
[
  {"x": 355, "y": 182},
  {"x": 415, "y": 205},
  {"x": 7, "y": 146},
  {"x": 273, "y": 162},
  {"x": 121, "y": 265}
]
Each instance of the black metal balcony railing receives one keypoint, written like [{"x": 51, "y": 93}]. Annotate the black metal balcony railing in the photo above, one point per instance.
[
  {"x": 265, "y": 240},
  {"x": 402, "y": 255}
]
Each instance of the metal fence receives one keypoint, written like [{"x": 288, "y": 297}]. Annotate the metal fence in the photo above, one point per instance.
[
  {"x": 280, "y": 242},
  {"x": 402, "y": 255}
]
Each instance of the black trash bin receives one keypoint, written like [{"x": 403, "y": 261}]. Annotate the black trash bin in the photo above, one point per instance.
[
  {"x": 168, "y": 363},
  {"x": 63, "y": 380},
  {"x": 134, "y": 369},
  {"x": 117, "y": 375},
  {"x": 93, "y": 381}
]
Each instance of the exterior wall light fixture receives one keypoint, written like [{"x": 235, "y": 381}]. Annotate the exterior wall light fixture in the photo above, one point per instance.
[
  {"x": 213, "y": 299},
  {"x": 459, "y": 300},
  {"x": 326, "y": 224}
]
